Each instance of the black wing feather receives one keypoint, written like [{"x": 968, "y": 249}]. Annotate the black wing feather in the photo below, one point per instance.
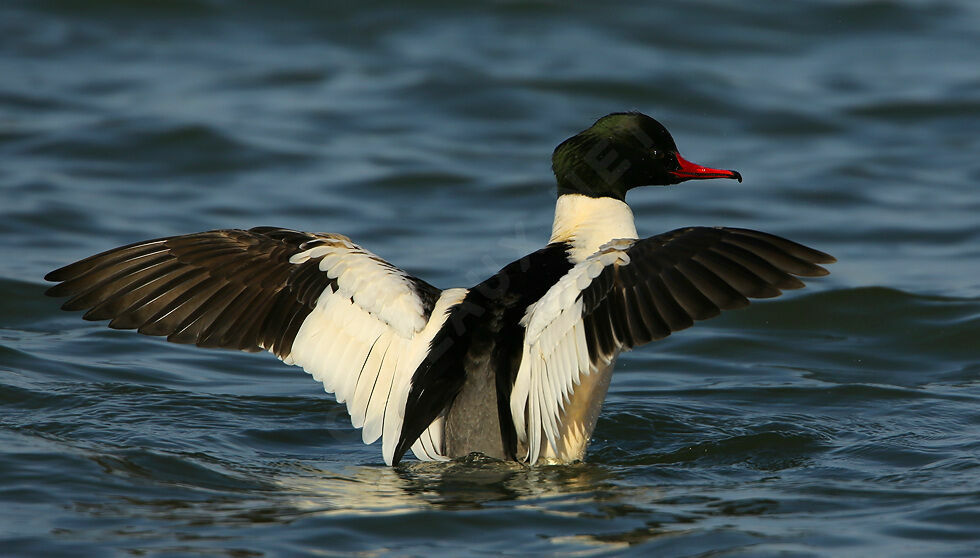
[
  {"x": 682, "y": 276},
  {"x": 231, "y": 288}
]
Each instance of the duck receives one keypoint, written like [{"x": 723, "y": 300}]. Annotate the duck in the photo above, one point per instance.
[{"x": 514, "y": 368}]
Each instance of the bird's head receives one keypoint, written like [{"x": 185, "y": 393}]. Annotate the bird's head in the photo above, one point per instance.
[{"x": 621, "y": 151}]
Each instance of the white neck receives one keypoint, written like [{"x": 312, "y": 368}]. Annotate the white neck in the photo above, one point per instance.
[{"x": 588, "y": 223}]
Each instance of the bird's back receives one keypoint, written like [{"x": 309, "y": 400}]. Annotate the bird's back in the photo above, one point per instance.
[{"x": 475, "y": 358}]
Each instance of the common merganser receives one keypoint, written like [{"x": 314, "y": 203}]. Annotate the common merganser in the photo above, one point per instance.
[{"x": 516, "y": 367}]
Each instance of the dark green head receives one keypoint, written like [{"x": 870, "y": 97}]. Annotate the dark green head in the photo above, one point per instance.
[{"x": 620, "y": 151}]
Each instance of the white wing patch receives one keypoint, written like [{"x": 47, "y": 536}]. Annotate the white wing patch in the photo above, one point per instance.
[
  {"x": 428, "y": 446},
  {"x": 375, "y": 285},
  {"x": 364, "y": 341},
  {"x": 555, "y": 358}
]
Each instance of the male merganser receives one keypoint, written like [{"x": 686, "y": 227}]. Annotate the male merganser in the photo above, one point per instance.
[{"x": 516, "y": 367}]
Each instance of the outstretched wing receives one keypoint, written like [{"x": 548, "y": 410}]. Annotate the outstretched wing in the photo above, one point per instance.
[
  {"x": 632, "y": 292},
  {"x": 356, "y": 323}
]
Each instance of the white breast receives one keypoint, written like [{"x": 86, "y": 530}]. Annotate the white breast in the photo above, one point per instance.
[{"x": 588, "y": 223}]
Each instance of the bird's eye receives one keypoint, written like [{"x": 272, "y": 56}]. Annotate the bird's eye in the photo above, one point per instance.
[{"x": 656, "y": 154}]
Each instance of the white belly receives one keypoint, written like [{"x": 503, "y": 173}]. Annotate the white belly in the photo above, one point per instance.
[{"x": 579, "y": 417}]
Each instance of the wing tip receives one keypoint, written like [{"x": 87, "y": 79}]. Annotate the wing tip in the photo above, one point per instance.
[
  {"x": 55, "y": 276},
  {"x": 399, "y": 453},
  {"x": 825, "y": 258},
  {"x": 813, "y": 270},
  {"x": 60, "y": 290}
]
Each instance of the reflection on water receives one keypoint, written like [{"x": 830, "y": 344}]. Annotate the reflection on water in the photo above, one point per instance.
[
  {"x": 476, "y": 483},
  {"x": 469, "y": 483}
]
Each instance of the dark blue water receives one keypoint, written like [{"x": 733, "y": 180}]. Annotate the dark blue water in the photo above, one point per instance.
[{"x": 843, "y": 420}]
